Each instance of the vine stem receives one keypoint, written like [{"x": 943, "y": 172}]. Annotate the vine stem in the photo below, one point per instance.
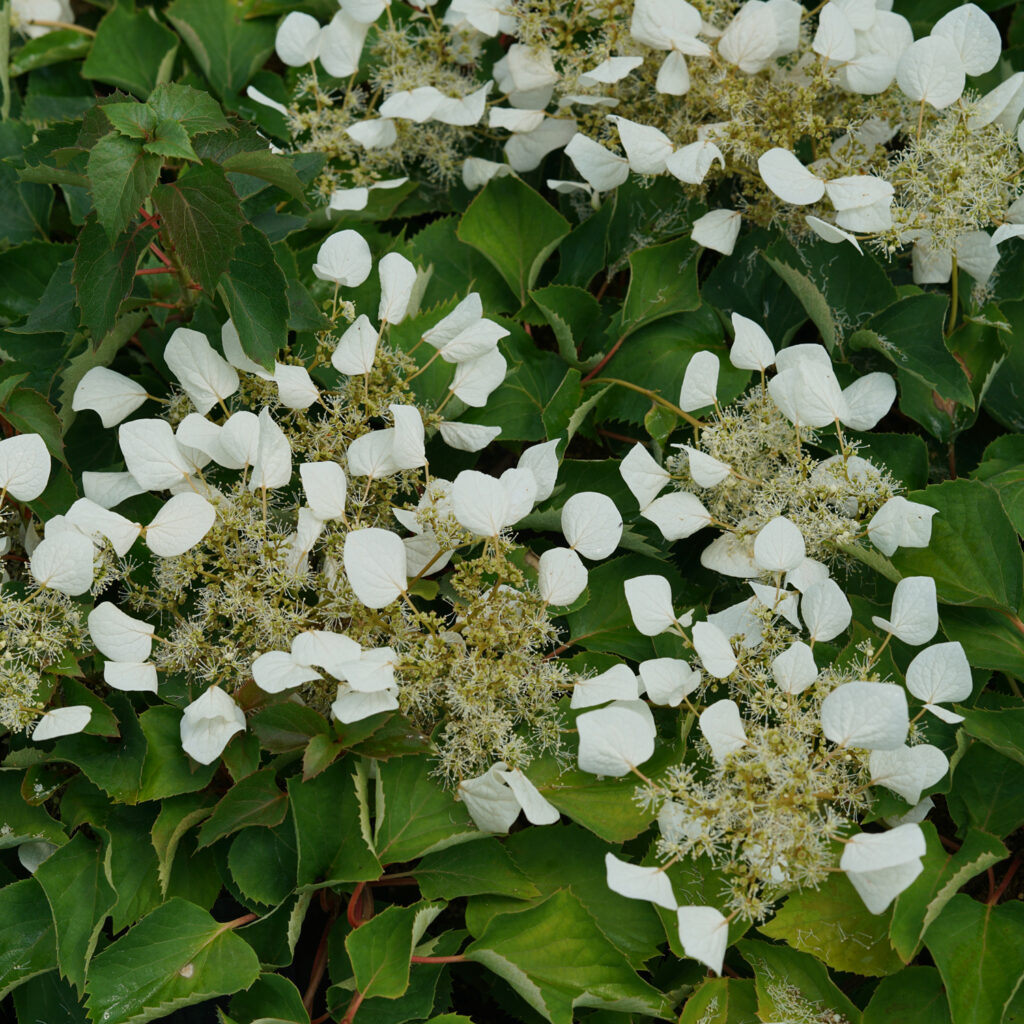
[
  {"x": 319, "y": 963},
  {"x": 458, "y": 958}
]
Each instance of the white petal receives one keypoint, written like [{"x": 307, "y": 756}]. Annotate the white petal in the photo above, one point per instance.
[
  {"x": 778, "y": 601},
  {"x": 111, "y": 394},
  {"x": 931, "y": 70},
  {"x": 783, "y": 173},
  {"x": 592, "y": 525},
  {"x": 357, "y": 349},
  {"x": 834, "y": 38},
  {"x": 492, "y": 805},
  {"x": 520, "y": 488},
  {"x": 376, "y": 567},
  {"x": 344, "y": 258},
  {"x": 869, "y": 716},
  {"x": 977, "y": 253},
  {"x": 867, "y": 400},
  {"x": 95, "y": 520},
  {"x": 526, "y": 150},
  {"x": 468, "y": 437},
  {"x": 273, "y": 465},
  {"x": 542, "y": 461},
  {"x": 609, "y": 71},
  {"x": 110, "y": 489},
  {"x": 974, "y": 35},
  {"x": 208, "y": 723},
  {"x": 940, "y": 673},
  {"x": 397, "y": 280},
  {"x": 691, "y": 163},
  {"x": 276, "y": 672},
  {"x": 806, "y": 574},
  {"x": 130, "y": 677},
  {"x": 475, "y": 379},
  {"x": 731, "y": 556},
  {"x": 597, "y": 166},
  {"x": 825, "y": 609},
  {"x": 646, "y": 148},
  {"x": 513, "y": 120},
  {"x": 704, "y": 933},
  {"x": 617, "y": 683},
  {"x": 373, "y": 672},
  {"x": 372, "y": 454},
  {"x": 476, "y": 172},
  {"x": 650, "y": 603},
  {"x": 830, "y": 233},
  {"x": 643, "y": 476},
  {"x": 181, "y": 524},
  {"x": 152, "y": 454},
  {"x": 779, "y": 546},
  {"x": 673, "y": 76},
  {"x": 915, "y": 613},
  {"x": 678, "y": 514},
  {"x": 723, "y": 728},
  {"x": 714, "y": 650},
  {"x": 794, "y": 669},
  {"x": 639, "y": 883},
  {"x": 341, "y": 43},
  {"x": 325, "y": 486},
  {"x": 668, "y": 680},
  {"x": 749, "y": 40},
  {"x": 706, "y": 470},
  {"x": 901, "y": 523},
  {"x": 538, "y": 811},
  {"x": 908, "y": 770},
  {"x": 373, "y": 133},
  {"x": 118, "y": 636},
  {"x": 1001, "y": 106},
  {"x": 64, "y": 562},
  {"x": 62, "y": 722},
  {"x": 324, "y": 649},
  {"x": 700, "y": 382},
  {"x": 298, "y": 39},
  {"x": 717, "y": 230},
  {"x": 206, "y": 376},
  {"x": 353, "y": 705},
  {"x": 752, "y": 348},
  {"x": 881, "y": 865},
  {"x": 407, "y": 451},
  {"x": 561, "y": 576},
  {"x": 615, "y": 739},
  {"x": 264, "y": 100},
  {"x": 295, "y": 387}
]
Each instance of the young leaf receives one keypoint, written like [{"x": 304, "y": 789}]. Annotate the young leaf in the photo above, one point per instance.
[{"x": 121, "y": 177}]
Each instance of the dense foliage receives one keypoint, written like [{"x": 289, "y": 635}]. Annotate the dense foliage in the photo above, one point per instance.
[{"x": 511, "y": 512}]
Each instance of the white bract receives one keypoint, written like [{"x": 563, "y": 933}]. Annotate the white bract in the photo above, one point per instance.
[
  {"x": 344, "y": 258},
  {"x": 938, "y": 675},
  {"x": 908, "y": 770},
  {"x": 668, "y": 681},
  {"x": 704, "y": 933},
  {"x": 375, "y": 563},
  {"x": 882, "y": 864},
  {"x": 901, "y": 524},
  {"x": 723, "y": 729},
  {"x": 714, "y": 650},
  {"x": 208, "y": 723},
  {"x": 650, "y": 603},
  {"x": 639, "y": 883},
  {"x": 111, "y": 394},
  {"x": 615, "y": 739},
  {"x": 591, "y": 524},
  {"x": 915, "y": 614},
  {"x": 617, "y": 683},
  {"x": 64, "y": 721},
  {"x": 869, "y": 716}
]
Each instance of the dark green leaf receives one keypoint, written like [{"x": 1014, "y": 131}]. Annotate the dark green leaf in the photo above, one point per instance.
[
  {"x": 379, "y": 949},
  {"x": 255, "y": 293},
  {"x": 287, "y": 726},
  {"x": 271, "y": 997},
  {"x": 28, "y": 943},
  {"x": 136, "y": 120},
  {"x": 226, "y": 46},
  {"x": 255, "y": 800},
  {"x": 25, "y": 271},
  {"x": 472, "y": 869},
  {"x": 23, "y": 820},
  {"x": 177, "y": 956},
  {"x": 914, "y": 996},
  {"x": 722, "y": 1001},
  {"x": 556, "y": 958},
  {"x": 48, "y": 997},
  {"x": 1003, "y": 468},
  {"x": 52, "y": 48},
  {"x": 56, "y": 309},
  {"x": 204, "y": 220},
  {"x": 264, "y": 862},
  {"x": 121, "y": 177},
  {"x": 267, "y": 166},
  {"x": 515, "y": 229},
  {"x": 167, "y": 769},
  {"x": 988, "y": 791},
  {"x": 979, "y": 951},
  {"x": 178, "y": 814},
  {"x": 170, "y": 139},
  {"x": 132, "y": 50},
  {"x": 1002, "y": 729},
  {"x": 131, "y": 863},
  {"x": 80, "y": 897},
  {"x": 575, "y": 317},
  {"x": 104, "y": 276},
  {"x": 583, "y": 253},
  {"x": 30, "y": 413},
  {"x": 990, "y": 639},
  {"x": 197, "y": 112},
  {"x": 24, "y": 207},
  {"x": 662, "y": 282}
]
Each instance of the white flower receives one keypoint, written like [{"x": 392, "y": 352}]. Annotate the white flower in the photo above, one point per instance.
[
  {"x": 24, "y": 466},
  {"x": 344, "y": 258},
  {"x": 868, "y": 716},
  {"x": 794, "y": 669},
  {"x": 700, "y": 382},
  {"x": 601, "y": 169},
  {"x": 908, "y": 770},
  {"x": 901, "y": 523},
  {"x": 617, "y": 683},
  {"x": 111, "y": 394},
  {"x": 704, "y": 933},
  {"x": 650, "y": 603},
  {"x": 940, "y": 674},
  {"x": 118, "y": 636},
  {"x": 376, "y": 566},
  {"x": 561, "y": 576},
  {"x": 714, "y": 650},
  {"x": 643, "y": 476},
  {"x": 717, "y": 230},
  {"x": 208, "y": 723},
  {"x": 206, "y": 376},
  {"x": 591, "y": 524},
  {"x": 723, "y": 729}
]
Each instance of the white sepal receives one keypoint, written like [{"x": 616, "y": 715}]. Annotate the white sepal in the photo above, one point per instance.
[
  {"x": 205, "y": 375},
  {"x": 706, "y": 470},
  {"x": 536, "y": 808},
  {"x": 357, "y": 348},
  {"x": 295, "y": 387},
  {"x": 901, "y": 524},
  {"x": 868, "y": 716},
  {"x": 704, "y": 933},
  {"x": 273, "y": 465},
  {"x": 561, "y": 576},
  {"x": 344, "y": 258},
  {"x": 491, "y": 803},
  {"x": 650, "y": 603},
  {"x": 940, "y": 674},
  {"x": 62, "y": 722},
  {"x": 64, "y": 563},
  {"x": 182, "y": 523},
  {"x": 717, "y": 230},
  {"x": 678, "y": 514},
  {"x": 325, "y": 486},
  {"x": 277, "y": 671},
  {"x": 826, "y": 611},
  {"x": 111, "y": 394},
  {"x": 376, "y": 566},
  {"x": 881, "y": 865},
  {"x": 152, "y": 453},
  {"x": 668, "y": 680},
  {"x": 700, "y": 382},
  {"x": 643, "y": 476},
  {"x": 908, "y": 770},
  {"x": 591, "y": 524},
  {"x": 118, "y": 636},
  {"x": 636, "y": 882},
  {"x": 397, "y": 281},
  {"x": 915, "y": 613},
  {"x": 779, "y": 546},
  {"x": 617, "y": 683},
  {"x": 794, "y": 669},
  {"x": 783, "y": 173},
  {"x": 751, "y": 348},
  {"x": 208, "y": 723},
  {"x": 131, "y": 677},
  {"x": 616, "y": 738},
  {"x": 714, "y": 650}
]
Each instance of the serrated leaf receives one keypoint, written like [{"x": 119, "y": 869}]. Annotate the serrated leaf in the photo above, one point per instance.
[
  {"x": 167, "y": 770},
  {"x": 515, "y": 229},
  {"x": 130, "y": 863},
  {"x": 575, "y": 316},
  {"x": 944, "y": 873},
  {"x": 28, "y": 943},
  {"x": 556, "y": 958},
  {"x": 132, "y": 49},
  {"x": 55, "y": 311},
  {"x": 196, "y": 111},
  {"x": 662, "y": 282},
  {"x": 832, "y": 924},
  {"x": 255, "y": 800},
  {"x": 271, "y": 998},
  {"x": 30, "y": 413},
  {"x": 121, "y": 178},
  {"x": 169, "y": 139},
  {"x": 104, "y": 275},
  {"x": 914, "y": 996},
  {"x": 979, "y": 951},
  {"x": 177, "y": 956},
  {"x": 722, "y": 1001},
  {"x": 80, "y": 898},
  {"x": 1002, "y": 729},
  {"x": 987, "y": 791},
  {"x": 472, "y": 869},
  {"x": 263, "y": 862},
  {"x": 379, "y": 949},
  {"x": 255, "y": 293},
  {"x": 136, "y": 120},
  {"x": 53, "y": 48},
  {"x": 204, "y": 220},
  {"x": 267, "y": 166}
]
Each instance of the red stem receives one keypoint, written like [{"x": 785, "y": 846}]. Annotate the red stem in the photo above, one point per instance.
[
  {"x": 161, "y": 255},
  {"x": 155, "y": 270},
  {"x": 457, "y": 959},
  {"x": 604, "y": 362},
  {"x": 150, "y": 219},
  {"x": 319, "y": 963},
  {"x": 353, "y": 1008},
  {"x": 997, "y": 895},
  {"x": 354, "y": 911}
]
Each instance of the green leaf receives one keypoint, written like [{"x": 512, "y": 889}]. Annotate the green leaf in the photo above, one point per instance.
[
  {"x": 255, "y": 293},
  {"x": 255, "y": 800},
  {"x": 23, "y": 820},
  {"x": 914, "y": 996},
  {"x": 833, "y": 925},
  {"x": 556, "y": 958},
  {"x": 1002, "y": 729},
  {"x": 662, "y": 282},
  {"x": 987, "y": 791},
  {"x": 515, "y": 229},
  {"x": 121, "y": 177},
  {"x": 228, "y": 47},
  {"x": 722, "y": 1001},
  {"x": 974, "y": 553},
  {"x": 910, "y": 335},
  {"x": 130, "y": 863},
  {"x": 177, "y": 815},
  {"x": 584, "y": 252},
  {"x": 330, "y": 836},
  {"x": 167, "y": 770},
  {"x": 177, "y": 956},
  {"x": 48, "y": 997},
  {"x": 791, "y": 984},
  {"x": 30, "y": 413},
  {"x": 170, "y": 140},
  {"x": 472, "y": 869},
  {"x": 204, "y": 219},
  {"x": 132, "y": 50},
  {"x": 1002, "y": 467},
  {"x": 379, "y": 949},
  {"x": 979, "y": 951},
  {"x": 56, "y": 309},
  {"x": 136, "y": 120},
  {"x": 575, "y": 316},
  {"x": 990, "y": 639},
  {"x": 271, "y": 997},
  {"x": 52, "y": 48},
  {"x": 24, "y": 206},
  {"x": 104, "y": 276},
  {"x": 414, "y": 814},
  {"x": 263, "y": 862},
  {"x": 267, "y": 166},
  {"x": 80, "y": 897},
  {"x": 25, "y": 271},
  {"x": 285, "y": 727},
  {"x": 1002, "y": 397},
  {"x": 943, "y": 874},
  {"x": 28, "y": 944},
  {"x": 196, "y": 111}
]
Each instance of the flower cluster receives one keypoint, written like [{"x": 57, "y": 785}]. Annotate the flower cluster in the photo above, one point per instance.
[{"x": 900, "y": 152}]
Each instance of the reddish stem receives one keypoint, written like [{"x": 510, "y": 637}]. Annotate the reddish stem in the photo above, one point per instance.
[
  {"x": 950, "y": 844},
  {"x": 354, "y": 910},
  {"x": 604, "y": 362},
  {"x": 161, "y": 255},
  {"x": 319, "y": 963},
  {"x": 457, "y": 959},
  {"x": 997, "y": 895},
  {"x": 150, "y": 219},
  {"x": 619, "y": 437},
  {"x": 155, "y": 270},
  {"x": 353, "y": 1008}
]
